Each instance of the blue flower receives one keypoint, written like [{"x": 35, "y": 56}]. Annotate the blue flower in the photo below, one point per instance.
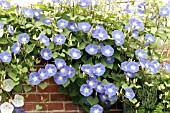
[
  {"x": 107, "y": 50},
  {"x": 127, "y": 26},
  {"x": 141, "y": 8},
  {"x": 62, "y": 23},
  {"x": 136, "y": 24},
  {"x": 64, "y": 71},
  {"x": 59, "y": 39},
  {"x": 23, "y": 38},
  {"x": 43, "y": 73},
  {"x": 85, "y": 90},
  {"x": 99, "y": 26},
  {"x": 96, "y": 109},
  {"x": 110, "y": 89},
  {"x": 133, "y": 67},
  {"x": 118, "y": 35},
  {"x": 51, "y": 69},
  {"x": 16, "y": 48},
  {"x": 150, "y": 39},
  {"x": 59, "y": 79},
  {"x": 72, "y": 26},
  {"x": 100, "y": 34},
  {"x": 129, "y": 93},
  {"x": 34, "y": 78},
  {"x": 135, "y": 34},
  {"x": 84, "y": 3},
  {"x": 111, "y": 98},
  {"x": 5, "y": 4},
  {"x": 142, "y": 62},
  {"x": 119, "y": 42},
  {"x": 47, "y": 21},
  {"x": 28, "y": 13},
  {"x": 44, "y": 39},
  {"x": 99, "y": 69},
  {"x": 75, "y": 53},
  {"x": 100, "y": 45},
  {"x": 164, "y": 11},
  {"x": 124, "y": 66},
  {"x": 84, "y": 26},
  {"x": 109, "y": 60},
  {"x": 37, "y": 13},
  {"x": 21, "y": 111},
  {"x": 141, "y": 53},
  {"x": 154, "y": 66},
  {"x": 129, "y": 74},
  {"x": 1, "y": 25},
  {"x": 166, "y": 66},
  {"x": 100, "y": 87},
  {"x": 103, "y": 97},
  {"x": 60, "y": 63},
  {"x": 91, "y": 49},
  {"x": 10, "y": 29},
  {"x": 5, "y": 56},
  {"x": 71, "y": 72},
  {"x": 46, "y": 53},
  {"x": 92, "y": 83},
  {"x": 87, "y": 68}
]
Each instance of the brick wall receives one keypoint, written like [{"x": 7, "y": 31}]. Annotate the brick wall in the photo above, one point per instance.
[{"x": 53, "y": 101}]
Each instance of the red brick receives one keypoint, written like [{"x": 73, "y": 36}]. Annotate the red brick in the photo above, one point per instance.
[
  {"x": 49, "y": 88},
  {"x": 70, "y": 106},
  {"x": 57, "y": 97},
  {"x": 67, "y": 98},
  {"x": 36, "y": 97},
  {"x": 51, "y": 80},
  {"x": 115, "y": 112}
]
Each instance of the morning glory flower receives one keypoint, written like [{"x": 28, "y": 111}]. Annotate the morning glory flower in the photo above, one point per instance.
[
  {"x": 103, "y": 97},
  {"x": 18, "y": 100},
  {"x": 23, "y": 38},
  {"x": 100, "y": 34},
  {"x": 141, "y": 53},
  {"x": 84, "y": 26},
  {"x": 124, "y": 66},
  {"x": 150, "y": 39},
  {"x": 21, "y": 111},
  {"x": 47, "y": 21},
  {"x": 72, "y": 26},
  {"x": 84, "y": 3},
  {"x": 141, "y": 8},
  {"x": 51, "y": 69},
  {"x": 87, "y": 68},
  {"x": 129, "y": 74},
  {"x": 16, "y": 48},
  {"x": 100, "y": 45},
  {"x": 100, "y": 87},
  {"x": 85, "y": 90},
  {"x": 109, "y": 60},
  {"x": 62, "y": 23},
  {"x": 1, "y": 25},
  {"x": 75, "y": 53},
  {"x": 133, "y": 67},
  {"x": 166, "y": 66},
  {"x": 44, "y": 39},
  {"x": 164, "y": 11},
  {"x": 118, "y": 35},
  {"x": 119, "y": 42},
  {"x": 59, "y": 63},
  {"x": 59, "y": 79},
  {"x": 99, "y": 26},
  {"x": 135, "y": 34},
  {"x": 136, "y": 24},
  {"x": 5, "y": 56},
  {"x": 92, "y": 83},
  {"x": 5, "y": 4},
  {"x": 96, "y": 109},
  {"x": 71, "y": 72},
  {"x": 129, "y": 93},
  {"x": 34, "y": 78},
  {"x": 156, "y": 64},
  {"x": 111, "y": 98},
  {"x": 46, "y": 53},
  {"x": 107, "y": 50},
  {"x": 110, "y": 89},
  {"x": 37, "y": 13},
  {"x": 43, "y": 73},
  {"x": 64, "y": 71},
  {"x": 59, "y": 39},
  {"x": 99, "y": 69},
  {"x": 91, "y": 49},
  {"x": 8, "y": 85},
  {"x": 28, "y": 13},
  {"x": 10, "y": 29},
  {"x": 6, "y": 107}
]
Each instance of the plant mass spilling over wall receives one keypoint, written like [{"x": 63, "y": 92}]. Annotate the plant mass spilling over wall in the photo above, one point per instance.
[{"x": 98, "y": 51}]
